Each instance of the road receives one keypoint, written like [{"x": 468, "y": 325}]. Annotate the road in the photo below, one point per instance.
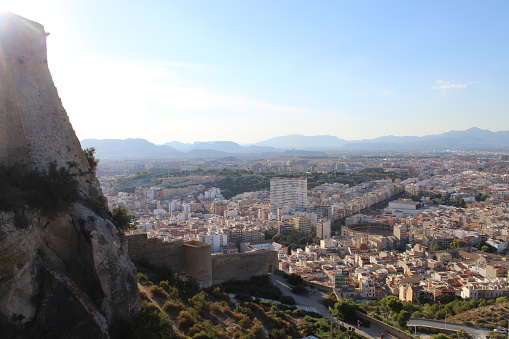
[
  {"x": 314, "y": 299},
  {"x": 474, "y": 331}
]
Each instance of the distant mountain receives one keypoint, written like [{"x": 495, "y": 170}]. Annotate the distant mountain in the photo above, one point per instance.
[
  {"x": 470, "y": 136},
  {"x": 390, "y": 139},
  {"x": 220, "y": 146},
  {"x": 128, "y": 148},
  {"x": 470, "y": 139},
  {"x": 300, "y": 145},
  {"x": 300, "y": 153},
  {"x": 180, "y": 146},
  {"x": 297, "y": 141},
  {"x": 206, "y": 153}
]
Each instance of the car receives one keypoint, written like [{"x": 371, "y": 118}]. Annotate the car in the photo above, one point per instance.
[{"x": 500, "y": 330}]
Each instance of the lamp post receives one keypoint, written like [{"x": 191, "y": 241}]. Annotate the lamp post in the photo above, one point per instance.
[{"x": 330, "y": 310}]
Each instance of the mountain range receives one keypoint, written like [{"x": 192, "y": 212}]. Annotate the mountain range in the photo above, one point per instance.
[{"x": 293, "y": 145}]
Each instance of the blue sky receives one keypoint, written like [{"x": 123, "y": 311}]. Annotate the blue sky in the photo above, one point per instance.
[{"x": 246, "y": 71}]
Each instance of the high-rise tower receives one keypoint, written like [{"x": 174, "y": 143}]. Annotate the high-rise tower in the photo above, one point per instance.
[{"x": 289, "y": 192}]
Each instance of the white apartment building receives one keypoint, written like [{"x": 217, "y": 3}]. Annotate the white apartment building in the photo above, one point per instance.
[
  {"x": 289, "y": 192},
  {"x": 323, "y": 228},
  {"x": 216, "y": 240}
]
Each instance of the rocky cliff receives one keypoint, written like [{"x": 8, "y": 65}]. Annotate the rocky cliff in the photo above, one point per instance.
[{"x": 65, "y": 274}]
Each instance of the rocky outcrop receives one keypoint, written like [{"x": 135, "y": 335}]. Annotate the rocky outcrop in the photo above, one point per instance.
[{"x": 66, "y": 275}]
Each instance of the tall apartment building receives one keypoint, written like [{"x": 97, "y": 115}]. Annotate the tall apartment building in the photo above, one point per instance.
[
  {"x": 323, "y": 228},
  {"x": 290, "y": 192}
]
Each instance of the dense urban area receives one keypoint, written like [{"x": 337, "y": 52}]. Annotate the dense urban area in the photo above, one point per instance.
[{"x": 428, "y": 229}]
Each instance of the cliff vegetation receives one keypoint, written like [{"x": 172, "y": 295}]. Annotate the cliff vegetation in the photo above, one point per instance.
[{"x": 52, "y": 191}]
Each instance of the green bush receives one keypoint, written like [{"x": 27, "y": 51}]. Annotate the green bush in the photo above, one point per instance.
[
  {"x": 294, "y": 279},
  {"x": 52, "y": 191},
  {"x": 200, "y": 303},
  {"x": 158, "y": 292},
  {"x": 286, "y": 299},
  {"x": 142, "y": 277},
  {"x": 90, "y": 155},
  {"x": 150, "y": 322},
  {"x": 299, "y": 289},
  {"x": 173, "y": 307},
  {"x": 245, "y": 322},
  {"x": 185, "y": 320}
]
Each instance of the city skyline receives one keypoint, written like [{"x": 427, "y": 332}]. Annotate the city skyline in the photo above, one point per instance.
[{"x": 245, "y": 72}]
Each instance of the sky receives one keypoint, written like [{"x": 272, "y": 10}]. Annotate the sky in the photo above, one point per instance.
[{"x": 247, "y": 71}]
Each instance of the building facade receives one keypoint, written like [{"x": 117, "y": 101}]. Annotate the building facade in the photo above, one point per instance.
[{"x": 289, "y": 192}]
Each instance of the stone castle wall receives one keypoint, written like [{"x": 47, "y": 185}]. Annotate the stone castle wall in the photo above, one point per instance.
[
  {"x": 159, "y": 253},
  {"x": 242, "y": 266},
  {"x": 67, "y": 275},
  {"x": 34, "y": 126},
  {"x": 189, "y": 258}
]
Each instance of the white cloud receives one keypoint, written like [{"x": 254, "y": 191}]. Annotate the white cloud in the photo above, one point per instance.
[
  {"x": 386, "y": 92},
  {"x": 445, "y": 86}
]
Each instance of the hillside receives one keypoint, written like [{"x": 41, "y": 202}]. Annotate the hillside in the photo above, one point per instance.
[
  {"x": 173, "y": 308},
  {"x": 489, "y": 317}
]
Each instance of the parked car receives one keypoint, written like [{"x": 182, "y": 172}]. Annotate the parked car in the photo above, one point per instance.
[{"x": 500, "y": 330}]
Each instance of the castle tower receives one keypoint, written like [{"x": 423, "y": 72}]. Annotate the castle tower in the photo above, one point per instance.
[{"x": 34, "y": 126}]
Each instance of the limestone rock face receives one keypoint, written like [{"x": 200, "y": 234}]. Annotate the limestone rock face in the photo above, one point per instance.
[{"x": 69, "y": 275}]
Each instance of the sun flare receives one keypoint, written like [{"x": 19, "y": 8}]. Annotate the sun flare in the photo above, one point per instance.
[{"x": 38, "y": 10}]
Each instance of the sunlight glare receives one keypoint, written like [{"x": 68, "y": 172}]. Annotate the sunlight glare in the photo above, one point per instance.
[{"x": 41, "y": 11}]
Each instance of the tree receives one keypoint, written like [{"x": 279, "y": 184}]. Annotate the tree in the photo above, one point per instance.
[
  {"x": 457, "y": 243},
  {"x": 485, "y": 248},
  {"x": 401, "y": 318},
  {"x": 345, "y": 310},
  {"x": 299, "y": 289},
  {"x": 121, "y": 219},
  {"x": 391, "y": 303},
  {"x": 445, "y": 298},
  {"x": 436, "y": 246},
  {"x": 294, "y": 279},
  {"x": 481, "y": 197}
]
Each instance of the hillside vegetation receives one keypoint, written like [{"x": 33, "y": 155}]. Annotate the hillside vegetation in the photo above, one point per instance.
[
  {"x": 174, "y": 308},
  {"x": 490, "y": 317}
]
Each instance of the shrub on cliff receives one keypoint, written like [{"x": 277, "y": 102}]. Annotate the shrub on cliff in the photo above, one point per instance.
[
  {"x": 90, "y": 155},
  {"x": 51, "y": 191},
  {"x": 150, "y": 322},
  {"x": 122, "y": 219}
]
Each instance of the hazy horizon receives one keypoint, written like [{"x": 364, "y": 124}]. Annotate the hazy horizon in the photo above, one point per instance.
[
  {"x": 250, "y": 71},
  {"x": 278, "y": 136}
]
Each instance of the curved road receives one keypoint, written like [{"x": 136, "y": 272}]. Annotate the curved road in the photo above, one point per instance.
[
  {"x": 314, "y": 299},
  {"x": 474, "y": 331}
]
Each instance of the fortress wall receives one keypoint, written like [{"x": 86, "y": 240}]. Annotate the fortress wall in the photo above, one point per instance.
[
  {"x": 194, "y": 259},
  {"x": 157, "y": 252},
  {"x": 34, "y": 126},
  {"x": 197, "y": 261},
  {"x": 242, "y": 266}
]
